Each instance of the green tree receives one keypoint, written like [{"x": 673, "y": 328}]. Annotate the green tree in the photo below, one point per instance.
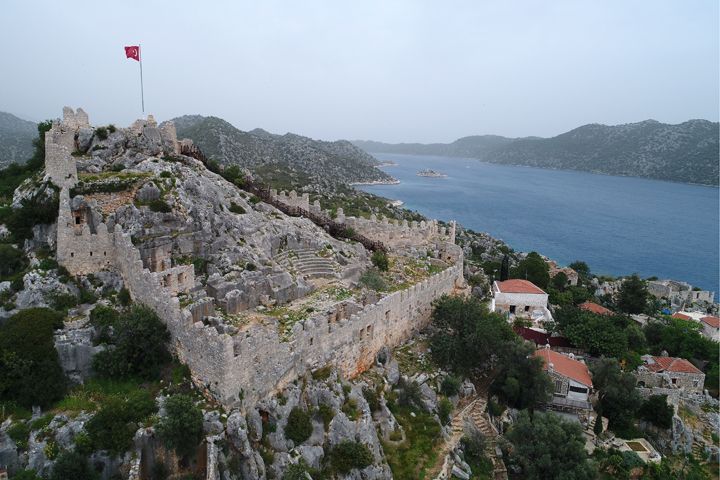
[
  {"x": 299, "y": 427},
  {"x": 548, "y": 447},
  {"x": 657, "y": 411},
  {"x": 113, "y": 426},
  {"x": 560, "y": 281},
  {"x": 581, "y": 268},
  {"x": 534, "y": 269},
  {"x": 467, "y": 334},
  {"x": 182, "y": 427},
  {"x": 30, "y": 372},
  {"x": 633, "y": 295},
  {"x": 618, "y": 399},
  {"x": 349, "y": 455},
  {"x": 139, "y": 346},
  {"x": 12, "y": 260},
  {"x": 522, "y": 382},
  {"x": 72, "y": 465}
]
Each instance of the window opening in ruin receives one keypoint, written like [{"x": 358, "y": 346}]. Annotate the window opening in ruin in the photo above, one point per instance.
[
  {"x": 387, "y": 315},
  {"x": 72, "y": 254},
  {"x": 104, "y": 254},
  {"x": 527, "y": 308},
  {"x": 512, "y": 308},
  {"x": 77, "y": 220},
  {"x": 311, "y": 340},
  {"x": 674, "y": 381},
  {"x": 91, "y": 254}
]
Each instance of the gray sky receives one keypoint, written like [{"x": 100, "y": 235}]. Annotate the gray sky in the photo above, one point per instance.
[{"x": 382, "y": 70}]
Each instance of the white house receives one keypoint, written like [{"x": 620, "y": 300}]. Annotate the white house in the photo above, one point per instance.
[
  {"x": 520, "y": 298},
  {"x": 711, "y": 327},
  {"x": 572, "y": 380}
]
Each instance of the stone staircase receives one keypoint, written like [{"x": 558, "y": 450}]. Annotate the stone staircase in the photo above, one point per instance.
[
  {"x": 307, "y": 263},
  {"x": 473, "y": 412}
]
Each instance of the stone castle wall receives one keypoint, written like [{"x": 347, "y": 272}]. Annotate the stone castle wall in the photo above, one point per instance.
[{"x": 250, "y": 365}]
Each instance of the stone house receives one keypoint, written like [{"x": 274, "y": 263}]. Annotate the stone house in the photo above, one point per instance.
[
  {"x": 571, "y": 378},
  {"x": 520, "y": 298},
  {"x": 711, "y": 327},
  {"x": 670, "y": 372},
  {"x": 554, "y": 269}
]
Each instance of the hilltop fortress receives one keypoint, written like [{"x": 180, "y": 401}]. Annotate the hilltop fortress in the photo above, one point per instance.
[{"x": 274, "y": 297}]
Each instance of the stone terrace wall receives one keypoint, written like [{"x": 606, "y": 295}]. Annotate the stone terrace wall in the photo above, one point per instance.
[
  {"x": 292, "y": 199},
  {"x": 263, "y": 362},
  {"x": 202, "y": 348}
]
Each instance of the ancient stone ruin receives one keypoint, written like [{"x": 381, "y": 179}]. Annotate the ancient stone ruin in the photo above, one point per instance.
[{"x": 280, "y": 296}]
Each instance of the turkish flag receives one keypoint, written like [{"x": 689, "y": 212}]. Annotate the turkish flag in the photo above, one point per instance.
[{"x": 133, "y": 52}]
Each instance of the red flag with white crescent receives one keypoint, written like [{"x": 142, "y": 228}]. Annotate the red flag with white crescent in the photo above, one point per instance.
[{"x": 133, "y": 52}]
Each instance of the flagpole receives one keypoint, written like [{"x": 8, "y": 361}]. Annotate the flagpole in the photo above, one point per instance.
[{"x": 142, "y": 93}]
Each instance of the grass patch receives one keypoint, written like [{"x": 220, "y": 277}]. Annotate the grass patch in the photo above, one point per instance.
[
  {"x": 95, "y": 392},
  {"x": 411, "y": 459}
]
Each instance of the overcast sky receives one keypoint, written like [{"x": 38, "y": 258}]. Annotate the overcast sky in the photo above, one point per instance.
[{"x": 383, "y": 70}]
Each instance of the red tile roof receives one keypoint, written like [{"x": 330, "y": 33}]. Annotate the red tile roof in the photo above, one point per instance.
[
  {"x": 595, "y": 308},
  {"x": 714, "y": 322},
  {"x": 681, "y": 316},
  {"x": 565, "y": 366},
  {"x": 672, "y": 364},
  {"x": 518, "y": 286},
  {"x": 541, "y": 339}
]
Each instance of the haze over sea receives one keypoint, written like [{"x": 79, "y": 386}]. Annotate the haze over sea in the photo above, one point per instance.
[{"x": 617, "y": 225}]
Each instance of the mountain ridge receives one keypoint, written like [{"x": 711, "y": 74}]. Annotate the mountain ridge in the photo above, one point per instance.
[
  {"x": 686, "y": 152},
  {"x": 16, "y": 136}
]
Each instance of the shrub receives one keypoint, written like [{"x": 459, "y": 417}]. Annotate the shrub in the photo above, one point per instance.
[
  {"x": 30, "y": 373},
  {"x": 63, "y": 301},
  {"x": 253, "y": 199},
  {"x": 373, "y": 280},
  {"x": 12, "y": 260},
  {"x": 371, "y": 397},
  {"x": 118, "y": 167},
  {"x": 182, "y": 428},
  {"x": 27, "y": 475},
  {"x": 103, "y": 316},
  {"x": 38, "y": 209},
  {"x": 47, "y": 264},
  {"x": 111, "y": 128},
  {"x": 101, "y": 133},
  {"x": 348, "y": 455},
  {"x": 409, "y": 394},
  {"x": 295, "y": 471},
  {"x": 72, "y": 465},
  {"x": 474, "y": 443},
  {"x": 19, "y": 432},
  {"x": 444, "y": 409},
  {"x": 250, "y": 267},
  {"x": 299, "y": 427},
  {"x": 235, "y": 208},
  {"x": 450, "y": 386},
  {"x": 326, "y": 413},
  {"x": 657, "y": 411},
  {"x": 124, "y": 297},
  {"x": 159, "y": 205},
  {"x": 165, "y": 174},
  {"x": 113, "y": 426},
  {"x": 139, "y": 339},
  {"x": 87, "y": 296},
  {"x": 380, "y": 260}
]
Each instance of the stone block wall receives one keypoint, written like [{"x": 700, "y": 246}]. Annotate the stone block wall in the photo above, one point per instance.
[
  {"x": 264, "y": 362},
  {"x": 292, "y": 199}
]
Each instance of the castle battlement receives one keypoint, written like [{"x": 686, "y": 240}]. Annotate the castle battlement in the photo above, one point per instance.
[{"x": 252, "y": 364}]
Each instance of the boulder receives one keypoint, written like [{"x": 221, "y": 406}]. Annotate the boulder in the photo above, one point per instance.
[
  {"x": 392, "y": 372},
  {"x": 312, "y": 455},
  {"x": 148, "y": 192}
]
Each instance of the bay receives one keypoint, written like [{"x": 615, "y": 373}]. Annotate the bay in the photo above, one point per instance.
[{"x": 618, "y": 225}]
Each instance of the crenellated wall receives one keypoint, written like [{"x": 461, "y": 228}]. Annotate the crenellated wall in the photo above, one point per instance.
[{"x": 253, "y": 363}]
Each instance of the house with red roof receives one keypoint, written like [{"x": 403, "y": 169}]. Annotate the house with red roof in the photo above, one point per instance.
[
  {"x": 571, "y": 379},
  {"x": 595, "y": 308},
  {"x": 520, "y": 298},
  {"x": 711, "y": 327},
  {"x": 670, "y": 372},
  {"x": 541, "y": 338}
]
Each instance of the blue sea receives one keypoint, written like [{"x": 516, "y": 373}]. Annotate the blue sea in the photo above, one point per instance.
[{"x": 617, "y": 225}]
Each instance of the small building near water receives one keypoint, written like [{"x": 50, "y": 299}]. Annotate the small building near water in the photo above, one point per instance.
[
  {"x": 670, "y": 372},
  {"x": 520, "y": 298},
  {"x": 571, "y": 378}
]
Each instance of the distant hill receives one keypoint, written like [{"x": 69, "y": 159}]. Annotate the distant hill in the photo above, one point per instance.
[
  {"x": 687, "y": 152},
  {"x": 16, "y": 136},
  {"x": 310, "y": 162}
]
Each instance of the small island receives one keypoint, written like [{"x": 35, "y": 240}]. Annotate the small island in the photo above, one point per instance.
[{"x": 430, "y": 173}]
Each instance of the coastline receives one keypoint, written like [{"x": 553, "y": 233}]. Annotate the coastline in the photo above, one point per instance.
[
  {"x": 376, "y": 182},
  {"x": 549, "y": 168}
]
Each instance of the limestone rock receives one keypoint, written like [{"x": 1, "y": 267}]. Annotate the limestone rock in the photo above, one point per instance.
[
  {"x": 392, "y": 372},
  {"x": 212, "y": 425},
  {"x": 312, "y": 455},
  {"x": 148, "y": 192},
  {"x": 254, "y": 423}
]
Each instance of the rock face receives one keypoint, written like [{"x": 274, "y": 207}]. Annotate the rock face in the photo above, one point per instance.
[{"x": 76, "y": 351}]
